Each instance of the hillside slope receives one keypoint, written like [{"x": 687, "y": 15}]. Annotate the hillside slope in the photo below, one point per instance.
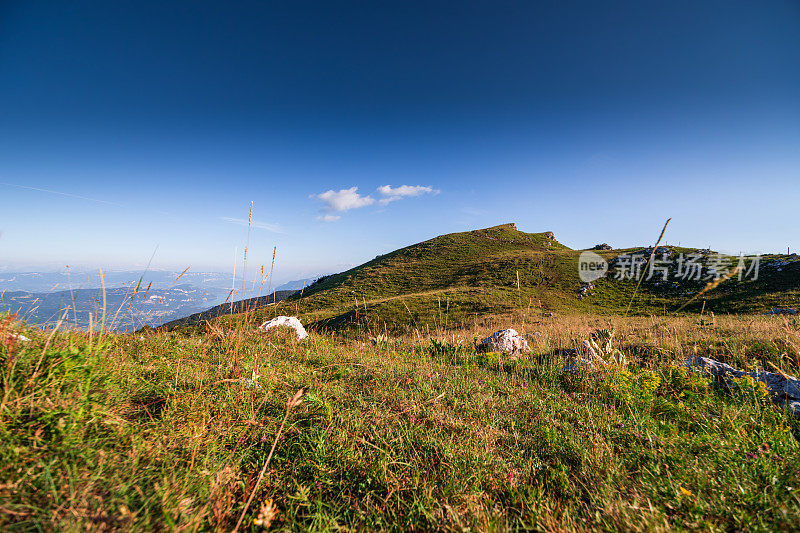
[
  {"x": 229, "y": 308},
  {"x": 461, "y": 278}
]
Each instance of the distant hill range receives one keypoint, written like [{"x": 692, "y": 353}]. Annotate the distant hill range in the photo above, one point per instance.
[
  {"x": 125, "y": 309},
  {"x": 297, "y": 284},
  {"x": 45, "y": 282},
  {"x": 230, "y": 308},
  {"x": 133, "y": 299}
]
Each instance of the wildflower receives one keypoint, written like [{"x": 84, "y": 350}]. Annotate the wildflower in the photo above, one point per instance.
[
  {"x": 512, "y": 476},
  {"x": 266, "y": 514},
  {"x": 412, "y": 419},
  {"x": 185, "y": 505},
  {"x": 686, "y": 492}
]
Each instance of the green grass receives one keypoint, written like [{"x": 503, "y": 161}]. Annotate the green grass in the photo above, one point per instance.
[
  {"x": 154, "y": 431},
  {"x": 403, "y": 426}
]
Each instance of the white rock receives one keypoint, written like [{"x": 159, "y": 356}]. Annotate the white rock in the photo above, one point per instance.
[
  {"x": 21, "y": 338},
  {"x": 505, "y": 340},
  {"x": 248, "y": 383},
  {"x": 289, "y": 321}
]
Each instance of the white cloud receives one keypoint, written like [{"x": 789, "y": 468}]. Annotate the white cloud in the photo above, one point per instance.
[
  {"x": 390, "y": 194},
  {"x": 347, "y": 199},
  {"x": 344, "y": 200},
  {"x": 274, "y": 228}
]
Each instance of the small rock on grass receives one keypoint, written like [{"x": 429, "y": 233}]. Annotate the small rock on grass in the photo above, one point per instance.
[
  {"x": 506, "y": 341},
  {"x": 248, "y": 383},
  {"x": 585, "y": 357},
  {"x": 288, "y": 321}
]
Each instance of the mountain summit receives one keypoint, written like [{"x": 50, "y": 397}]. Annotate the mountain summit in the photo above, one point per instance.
[{"x": 462, "y": 277}]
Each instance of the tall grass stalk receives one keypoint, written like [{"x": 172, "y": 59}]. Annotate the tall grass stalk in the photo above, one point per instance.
[
  {"x": 647, "y": 265},
  {"x": 292, "y": 402}
]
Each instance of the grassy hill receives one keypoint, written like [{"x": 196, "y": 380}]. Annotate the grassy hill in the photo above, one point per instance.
[
  {"x": 458, "y": 279},
  {"x": 190, "y": 429}
]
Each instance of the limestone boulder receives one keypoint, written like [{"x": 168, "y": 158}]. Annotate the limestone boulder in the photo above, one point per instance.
[
  {"x": 285, "y": 321},
  {"x": 506, "y": 341},
  {"x": 784, "y": 389}
]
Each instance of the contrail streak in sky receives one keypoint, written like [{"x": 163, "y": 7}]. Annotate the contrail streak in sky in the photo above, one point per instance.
[{"x": 68, "y": 195}]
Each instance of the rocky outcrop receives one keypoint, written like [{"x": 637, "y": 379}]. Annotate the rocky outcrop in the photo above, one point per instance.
[
  {"x": 784, "y": 390},
  {"x": 506, "y": 341},
  {"x": 782, "y": 311},
  {"x": 777, "y": 264},
  {"x": 603, "y": 246},
  {"x": 586, "y": 358},
  {"x": 585, "y": 290},
  {"x": 659, "y": 252},
  {"x": 287, "y": 321}
]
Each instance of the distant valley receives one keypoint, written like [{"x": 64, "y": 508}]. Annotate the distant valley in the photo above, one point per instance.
[
  {"x": 40, "y": 298},
  {"x": 160, "y": 279},
  {"x": 124, "y": 311}
]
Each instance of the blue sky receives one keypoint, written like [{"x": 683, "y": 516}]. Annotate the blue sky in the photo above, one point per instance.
[{"x": 126, "y": 126}]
